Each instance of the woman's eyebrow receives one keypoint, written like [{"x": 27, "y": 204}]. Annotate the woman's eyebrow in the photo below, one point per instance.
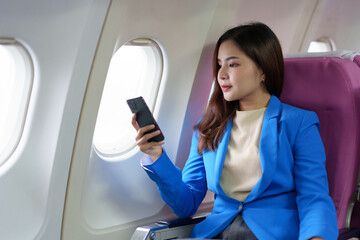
[{"x": 229, "y": 58}]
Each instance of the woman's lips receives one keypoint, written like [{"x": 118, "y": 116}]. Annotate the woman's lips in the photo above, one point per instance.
[{"x": 225, "y": 88}]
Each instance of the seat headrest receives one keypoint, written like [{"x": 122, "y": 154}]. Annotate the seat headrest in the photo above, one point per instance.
[{"x": 343, "y": 54}]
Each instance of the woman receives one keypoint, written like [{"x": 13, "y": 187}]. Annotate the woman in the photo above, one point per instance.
[{"x": 264, "y": 160}]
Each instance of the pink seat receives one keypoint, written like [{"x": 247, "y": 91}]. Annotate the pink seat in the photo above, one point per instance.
[{"x": 329, "y": 84}]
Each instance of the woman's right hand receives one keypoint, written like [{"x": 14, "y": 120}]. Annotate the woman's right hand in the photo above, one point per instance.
[{"x": 154, "y": 149}]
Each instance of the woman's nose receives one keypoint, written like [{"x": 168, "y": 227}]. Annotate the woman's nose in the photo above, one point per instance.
[{"x": 222, "y": 73}]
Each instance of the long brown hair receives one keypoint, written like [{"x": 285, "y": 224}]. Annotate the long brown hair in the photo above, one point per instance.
[{"x": 259, "y": 43}]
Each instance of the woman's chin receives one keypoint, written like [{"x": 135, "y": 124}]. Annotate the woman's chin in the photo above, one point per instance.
[{"x": 229, "y": 98}]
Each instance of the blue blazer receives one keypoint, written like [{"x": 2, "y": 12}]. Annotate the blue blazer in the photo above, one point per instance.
[{"x": 290, "y": 201}]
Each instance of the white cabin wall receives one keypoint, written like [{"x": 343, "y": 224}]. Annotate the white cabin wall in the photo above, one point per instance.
[
  {"x": 61, "y": 37},
  {"x": 288, "y": 19},
  {"x": 338, "y": 20}
]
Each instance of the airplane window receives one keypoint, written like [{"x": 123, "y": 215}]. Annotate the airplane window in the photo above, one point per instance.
[
  {"x": 16, "y": 76},
  {"x": 323, "y": 44},
  {"x": 135, "y": 70}
]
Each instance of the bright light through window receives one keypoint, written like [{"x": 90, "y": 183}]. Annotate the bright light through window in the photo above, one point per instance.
[
  {"x": 323, "y": 44},
  {"x": 135, "y": 70},
  {"x": 15, "y": 85}
]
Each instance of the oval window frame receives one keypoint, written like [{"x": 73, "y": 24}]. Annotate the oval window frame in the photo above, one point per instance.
[
  {"x": 121, "y": 153},
  {"x": 327, "y": 41},
  {"x": 23, "y": 60}
]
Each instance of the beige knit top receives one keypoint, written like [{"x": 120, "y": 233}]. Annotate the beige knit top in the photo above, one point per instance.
[{"x": 242, "y": 167}]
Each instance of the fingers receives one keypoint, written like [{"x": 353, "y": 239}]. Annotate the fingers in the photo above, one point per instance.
[
  {"x": 142, "y": 131},
  {"x": 142, "y": 138},
  {"x": 134, "y": 122},
  {"x": 154, "y": 149}
]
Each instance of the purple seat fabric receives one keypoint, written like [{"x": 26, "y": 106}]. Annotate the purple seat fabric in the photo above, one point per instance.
[{"x": 330, "y": 86}]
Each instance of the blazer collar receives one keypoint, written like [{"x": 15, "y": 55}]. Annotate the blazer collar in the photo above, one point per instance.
[
  {"x": 273, "y": 109},
  {"x": 268, "y": 148}
]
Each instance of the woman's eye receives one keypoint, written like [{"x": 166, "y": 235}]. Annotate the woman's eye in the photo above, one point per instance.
[{"x": 233, "y": 64}]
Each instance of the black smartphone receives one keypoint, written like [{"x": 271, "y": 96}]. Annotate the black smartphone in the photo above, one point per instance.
[{"x": 144, "y": 116}]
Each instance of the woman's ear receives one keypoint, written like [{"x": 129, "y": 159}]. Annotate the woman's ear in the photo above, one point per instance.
[{"x": 263, "y": 77}]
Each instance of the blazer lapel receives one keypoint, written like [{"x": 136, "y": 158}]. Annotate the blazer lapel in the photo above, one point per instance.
[{"x": 268, "y": 148}]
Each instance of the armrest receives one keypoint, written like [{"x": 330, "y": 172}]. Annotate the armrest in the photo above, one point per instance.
[
  {"x": 354, "y": 200},
  {"x": 178, "y": 222},
  {"x": 167, "y": 229}
]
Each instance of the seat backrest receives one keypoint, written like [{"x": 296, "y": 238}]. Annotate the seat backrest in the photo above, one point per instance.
[{"x": 329, "y": 84}]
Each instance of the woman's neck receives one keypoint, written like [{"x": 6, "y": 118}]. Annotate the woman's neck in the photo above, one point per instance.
[{"x": 253, "y": 104}]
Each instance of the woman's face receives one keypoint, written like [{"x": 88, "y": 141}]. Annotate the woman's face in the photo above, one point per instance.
[{"x": 238, "y": 76}]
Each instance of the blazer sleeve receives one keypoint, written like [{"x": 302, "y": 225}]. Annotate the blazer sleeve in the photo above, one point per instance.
[
  {"x": 182, "y": 191},
  {"x": 317, "y": 213}
]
